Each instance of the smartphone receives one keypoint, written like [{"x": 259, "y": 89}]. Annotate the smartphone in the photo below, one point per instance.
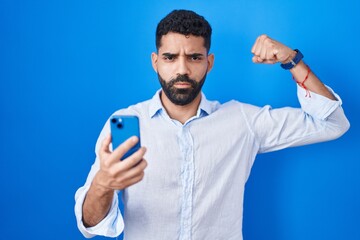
[{"x": 123, "y": 127}]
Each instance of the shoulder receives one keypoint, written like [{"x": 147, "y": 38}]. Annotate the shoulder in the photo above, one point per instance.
[
  {"x": 237, "y": 106},
  {"x": 139, "y": 109}
]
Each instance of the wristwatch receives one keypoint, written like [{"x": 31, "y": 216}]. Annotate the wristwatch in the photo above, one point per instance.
[{"x": 294, "y": 61}]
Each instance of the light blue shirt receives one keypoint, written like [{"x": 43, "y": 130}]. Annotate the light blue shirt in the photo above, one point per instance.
[{"x": 194, "y": 183}]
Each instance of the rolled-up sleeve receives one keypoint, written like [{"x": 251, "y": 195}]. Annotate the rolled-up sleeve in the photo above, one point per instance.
[
  {"x": 111, "y": 226},
  {"x": 316, "y": 105},
  {"x": 319, "y": 119}
]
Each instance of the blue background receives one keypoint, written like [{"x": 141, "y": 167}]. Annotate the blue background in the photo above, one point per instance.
[{"x": 65, "y": 66}]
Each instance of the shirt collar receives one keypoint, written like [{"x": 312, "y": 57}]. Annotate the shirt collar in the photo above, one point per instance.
[{"x": 205, "y": 107}]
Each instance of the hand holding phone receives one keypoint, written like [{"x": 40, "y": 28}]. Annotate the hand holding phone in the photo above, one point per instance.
[
  {"x": 115, "y": 175},
  {"x": 122, "y": 128}
]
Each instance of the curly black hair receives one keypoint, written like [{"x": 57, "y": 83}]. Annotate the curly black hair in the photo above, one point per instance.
[{"x": 185, "y": 22}]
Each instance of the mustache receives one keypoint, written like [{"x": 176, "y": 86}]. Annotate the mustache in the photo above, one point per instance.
[{"x": 182, "y": 78}]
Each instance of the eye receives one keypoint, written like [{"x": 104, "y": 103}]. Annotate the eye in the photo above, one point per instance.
[
  {"x": 169, "y": 58},
  {"x": 195, "y": 58}
]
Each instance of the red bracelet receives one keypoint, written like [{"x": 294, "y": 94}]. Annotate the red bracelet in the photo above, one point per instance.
[{"x": 302, "y": 84}]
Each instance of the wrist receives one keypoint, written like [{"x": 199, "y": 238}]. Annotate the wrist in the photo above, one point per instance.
[
  {"x": 99, "y": 188},
  {"x": 294, "y": 58},
  {"x": 290, "y": 57},
  {"x": 301, "y": 73}
]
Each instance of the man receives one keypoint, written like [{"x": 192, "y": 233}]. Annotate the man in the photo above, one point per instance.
[{"x": 198, "y": 152}]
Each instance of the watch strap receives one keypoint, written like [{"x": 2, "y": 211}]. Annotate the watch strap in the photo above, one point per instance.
[{"x": 294, "y": 61}]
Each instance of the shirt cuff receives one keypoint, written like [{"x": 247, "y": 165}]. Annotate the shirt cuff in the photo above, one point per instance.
[
  {"x": 111, "y": 226},
  {"x": 316, "y": 105}
]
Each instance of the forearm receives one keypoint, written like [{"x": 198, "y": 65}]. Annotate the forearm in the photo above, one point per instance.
[
  {"x": 312, "y": 83},
  {"x": 267, "y": 50},
  {"x": 96, "y": 205}
]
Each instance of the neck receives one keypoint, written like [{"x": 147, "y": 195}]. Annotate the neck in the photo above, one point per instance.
[{"x": 178, "y": 112}]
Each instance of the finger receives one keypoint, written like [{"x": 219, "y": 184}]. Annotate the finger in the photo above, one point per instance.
[
  {"x": 272, "y": 51},
  {"x": 254, "y": 59},
  {"x": 268, "y": 49},
  {"x": 261, "y": 48},
  {"x": 132, "y": 181},
  {"x": 123, "y": 177},
  {"x": 253, "y": 49},
  {"x": 137, "y": 178},
  {"x": 270, "y": 61},
  {"x": 136, "y": 170},
  {"x": 257, "y": 49},
  {"x": 105, "y": 143},
  {"x": 270, "y": 57},
  {"x": 257, "y": 59},
  {"x": 104, "y": 149},
  {"x": 134, "y": 158},
  {"x": 123, "y": 148},
  {"x": 263, "y": 53},
  {"x": 126, "y": 178},
  {"x": 274, "y": 58},
  {"x": 267, "y": 61}
]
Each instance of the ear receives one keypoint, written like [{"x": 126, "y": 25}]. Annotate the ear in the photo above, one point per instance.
[
  {"x": 210, "y": 60},
  {"x": 154, "y": 58}
]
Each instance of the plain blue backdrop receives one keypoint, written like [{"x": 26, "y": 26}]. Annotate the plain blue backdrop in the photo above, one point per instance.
[{"x": 65, "y": 66}]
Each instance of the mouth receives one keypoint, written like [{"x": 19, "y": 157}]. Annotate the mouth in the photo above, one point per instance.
[{"x": 182, "y": 85}]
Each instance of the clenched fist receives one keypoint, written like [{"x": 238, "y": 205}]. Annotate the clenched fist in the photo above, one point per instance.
[{"x": 267, "y": 50}]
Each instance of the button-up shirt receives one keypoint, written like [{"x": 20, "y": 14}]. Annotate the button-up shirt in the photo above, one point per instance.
[{"x": 193, "y": 187}]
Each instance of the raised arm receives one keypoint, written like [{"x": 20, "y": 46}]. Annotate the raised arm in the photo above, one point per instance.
[{"x": 270, "y": 51}]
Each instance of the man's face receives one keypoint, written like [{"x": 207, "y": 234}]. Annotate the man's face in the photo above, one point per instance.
[
  {"x": 181, "y": 95},
  {"x": 182, "y": 64}
]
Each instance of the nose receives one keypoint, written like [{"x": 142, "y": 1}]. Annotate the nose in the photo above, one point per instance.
[{"x": 183, "y": 66}]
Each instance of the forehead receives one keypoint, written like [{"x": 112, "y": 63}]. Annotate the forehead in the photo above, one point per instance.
[{"x": 176, "y": 42}]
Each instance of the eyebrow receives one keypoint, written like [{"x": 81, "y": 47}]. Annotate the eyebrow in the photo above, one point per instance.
[{"x": 187, "y": 55}]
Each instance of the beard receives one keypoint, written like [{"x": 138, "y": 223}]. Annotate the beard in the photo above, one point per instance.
[{"x": 181, "y": 96}]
